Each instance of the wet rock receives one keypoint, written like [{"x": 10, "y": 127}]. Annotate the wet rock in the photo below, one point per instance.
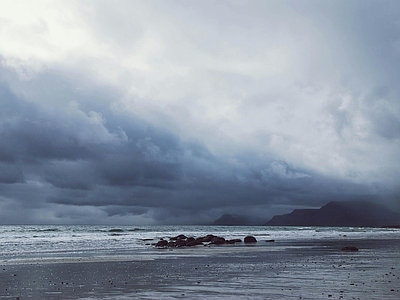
[
  {"x": 162, "y": 244},
  {"x": 184, "y": 241},
  {"x": 250, "y": 239},
  {"x": 116, "y": 230},
  {"x": 190, "y": 239},
  {"x": 217, "y": 240},
  {"x": 180, "y": 243},
  {"x": 194, "y": 243},
  {"x": 206, "y": 239},
  {"x": 179, "y": 237}
]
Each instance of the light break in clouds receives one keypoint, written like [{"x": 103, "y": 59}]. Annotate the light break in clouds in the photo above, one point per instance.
[{"x": 150, "y": 112}]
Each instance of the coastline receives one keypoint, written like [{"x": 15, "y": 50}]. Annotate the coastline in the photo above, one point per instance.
[{"x": 307, "y": 270}]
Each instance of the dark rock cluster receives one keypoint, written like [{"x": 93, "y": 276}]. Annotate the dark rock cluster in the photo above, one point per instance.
[{"x": 210, "y": 239}]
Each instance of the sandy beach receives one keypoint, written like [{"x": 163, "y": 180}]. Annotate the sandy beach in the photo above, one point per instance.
[{"x": 309, "y": 270}]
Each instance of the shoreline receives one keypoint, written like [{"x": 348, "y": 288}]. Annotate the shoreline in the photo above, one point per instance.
[
  {"x": 309, "y": 269},
  {"x": 152, "y": 253}
]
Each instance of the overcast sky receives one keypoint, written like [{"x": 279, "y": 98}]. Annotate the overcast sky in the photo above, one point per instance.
[{"x": 167, "y": 112}]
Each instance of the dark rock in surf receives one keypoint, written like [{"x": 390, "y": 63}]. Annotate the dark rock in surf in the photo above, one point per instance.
[
  {"x": 161, "y": 244},
  {"x": 250, "y": 239},
  {"x": 116, "y": 230},
  {"x": 179, "y": 243},
  {"x": 206, "y": 239},
  {"x": 210, "y": 239},
  {"x": 179, "y": 237},
  {"x": 217, "y": 240},
  {"x": 194, "y": 243}
]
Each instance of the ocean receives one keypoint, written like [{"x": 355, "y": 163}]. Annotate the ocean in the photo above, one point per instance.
[{"x": 44, "y": 243}]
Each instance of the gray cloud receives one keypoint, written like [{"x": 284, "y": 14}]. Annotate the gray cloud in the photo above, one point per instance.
[
  {"x": 48, "y": 163},
  {"x": 11, "y": 173}
]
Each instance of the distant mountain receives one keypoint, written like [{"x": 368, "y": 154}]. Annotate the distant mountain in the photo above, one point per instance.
[
  {"x": 351, "y": 214},
  {"x": 236, "y": 220}
]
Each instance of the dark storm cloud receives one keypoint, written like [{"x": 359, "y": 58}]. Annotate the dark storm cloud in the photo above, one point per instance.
[
  {"x": 133, "y": 168},
  {"x": 11, "y": 173},
  {"x": 69, "y": 174},
  {"x": 29, "y": 135}
]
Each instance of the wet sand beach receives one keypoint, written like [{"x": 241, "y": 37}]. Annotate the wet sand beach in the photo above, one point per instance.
[{"x": 308, "y": 270}]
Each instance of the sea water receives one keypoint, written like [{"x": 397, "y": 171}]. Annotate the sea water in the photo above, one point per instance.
[{"x": 44, "y": 243}]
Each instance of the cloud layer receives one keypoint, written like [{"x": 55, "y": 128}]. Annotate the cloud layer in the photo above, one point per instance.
[{"x": 143, "y": 112}]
